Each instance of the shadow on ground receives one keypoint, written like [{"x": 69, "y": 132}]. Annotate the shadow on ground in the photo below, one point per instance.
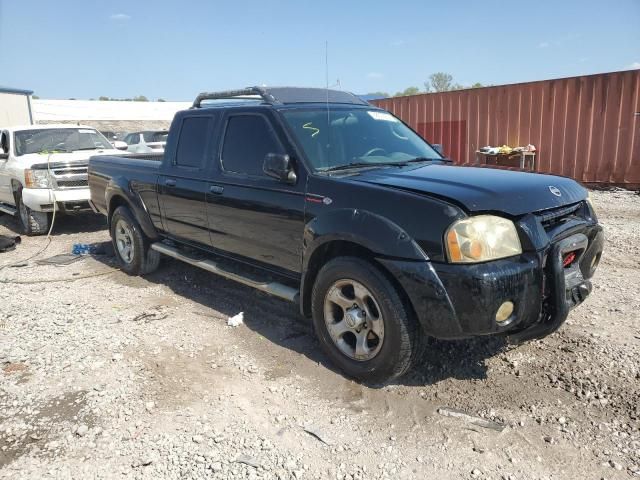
[
  {"x": 281, "y": 323},
  {"x": 85, "y": 222}
]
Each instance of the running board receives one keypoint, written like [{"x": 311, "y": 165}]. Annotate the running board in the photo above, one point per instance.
[
  {"x": 8, "y": 209},
  {"x": 273, "y": 288}
]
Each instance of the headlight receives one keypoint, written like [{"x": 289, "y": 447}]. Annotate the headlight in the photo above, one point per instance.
[
  {"x": 590, "y": 202},
  {"x": 36, "y": 178},
  {"x": 482, "y": 238}
]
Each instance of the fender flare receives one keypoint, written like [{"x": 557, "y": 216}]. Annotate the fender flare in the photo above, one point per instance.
[
  {"x": 361, "y": 227},
  {"x": 120, "y": 187},
  {"x": 374, "y": 232}
]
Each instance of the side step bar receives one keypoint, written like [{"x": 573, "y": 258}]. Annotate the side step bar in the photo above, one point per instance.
[
  {"x": 8, "y": 209},
  {"x": 272, "y": 288}
]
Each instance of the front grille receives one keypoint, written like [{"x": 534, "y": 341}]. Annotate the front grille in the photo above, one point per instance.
[
  {"x": 71, "y": 176},
  {"x": 72, "y": 183},
  {"x": 552, "y": 217}
]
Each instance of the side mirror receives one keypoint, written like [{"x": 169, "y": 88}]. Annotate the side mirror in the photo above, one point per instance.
[
  {"x": 438, "y": 148},
  {"x": 3, "y": 155},
  {"x": 120, "y": 145},
  {"x": 278, "y": 165}
]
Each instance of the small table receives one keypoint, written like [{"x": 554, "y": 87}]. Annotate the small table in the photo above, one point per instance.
[{"x": 524, "y": 158}]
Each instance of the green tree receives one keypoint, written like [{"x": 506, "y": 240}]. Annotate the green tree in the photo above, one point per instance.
[
  {"x": 408, "y": 91},
  {"x": 103, "y": 98},
  {"x": 477, "y": 85},
  {"x": 140, "y": 98},
  {"x": 35, "y": 97},
  {"x": 161, "y": 100},
  {"x": 439, "y": 82}
]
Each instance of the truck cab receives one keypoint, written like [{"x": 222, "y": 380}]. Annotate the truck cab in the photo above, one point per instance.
[
  {"x": 43, "y": 168},
  {"x": 321, "y": 199}
]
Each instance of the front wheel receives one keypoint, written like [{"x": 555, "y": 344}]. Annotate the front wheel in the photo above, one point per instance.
[
  {"x": 130, "y": 245},
  {"x": 362, "y": 322},
  {"x": 32, "y": 222}
]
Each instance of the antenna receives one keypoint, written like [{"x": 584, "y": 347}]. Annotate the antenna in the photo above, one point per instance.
[{"x": 326, "y": 74}]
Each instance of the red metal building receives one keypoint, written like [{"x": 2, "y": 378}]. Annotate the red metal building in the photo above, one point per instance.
[{"x": 583, "y": 127}]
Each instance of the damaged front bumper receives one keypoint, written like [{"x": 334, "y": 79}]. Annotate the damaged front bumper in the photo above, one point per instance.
[{"x": 457, "y": 301}]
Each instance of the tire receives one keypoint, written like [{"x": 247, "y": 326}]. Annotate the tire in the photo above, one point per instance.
[
  {"x": 138, "y": 258},
  {"x": 32, "y": 223},
  {"x": 388, "y": 357}
]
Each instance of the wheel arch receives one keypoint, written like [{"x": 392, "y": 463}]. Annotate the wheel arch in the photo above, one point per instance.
[
  {"x": 116, "y": 196},
  {"x": 361, "y": 234}
]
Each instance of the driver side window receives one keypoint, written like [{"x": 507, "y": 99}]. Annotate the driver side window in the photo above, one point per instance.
[{"x": 4, "y": 142}]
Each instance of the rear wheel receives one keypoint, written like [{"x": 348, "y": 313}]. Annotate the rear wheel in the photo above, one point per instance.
[
  {"x": 362, "y": 322},
  {"x": 132, "y": 248},
  {"x": 32, "y": 222}
]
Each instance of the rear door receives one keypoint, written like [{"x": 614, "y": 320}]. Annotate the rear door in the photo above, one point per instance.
[
  {"x": 250, "y": 214},
  {"x": 182, "y": 184}
]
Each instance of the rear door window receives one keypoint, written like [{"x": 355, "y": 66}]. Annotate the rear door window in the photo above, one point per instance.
[
  {"x": 247, "y": 140},
  {"x": 193, "y": 142}
]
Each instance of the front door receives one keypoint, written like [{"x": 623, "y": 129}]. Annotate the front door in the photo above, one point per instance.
[{"x": 250, "y": 214}]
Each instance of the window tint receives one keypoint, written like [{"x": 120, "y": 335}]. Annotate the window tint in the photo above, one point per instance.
[
  {"x": 247, "y": 141},
  {"x": 193, "y": 142}
]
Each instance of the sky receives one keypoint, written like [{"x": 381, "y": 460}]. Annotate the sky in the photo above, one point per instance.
[{"x": 174, "y": 50}]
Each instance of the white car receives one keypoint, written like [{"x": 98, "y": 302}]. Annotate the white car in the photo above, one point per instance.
[
  {"x": 43, "y": 165},
  {"x": 151, "y": 141}
]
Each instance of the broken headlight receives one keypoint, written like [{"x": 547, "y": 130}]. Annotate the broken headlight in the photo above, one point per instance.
[
  {"x": 482, "y": 238},
  {"x": 36, "y": 178}
]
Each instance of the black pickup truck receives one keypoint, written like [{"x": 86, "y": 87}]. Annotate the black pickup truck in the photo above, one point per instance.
[{"x": 319, "y": 198}]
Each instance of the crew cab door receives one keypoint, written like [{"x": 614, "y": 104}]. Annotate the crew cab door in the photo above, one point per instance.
[
  {"x": 6, "y": 192},
  {"x": 182, "y": 183},
  {"x": 251, "y": 214}
]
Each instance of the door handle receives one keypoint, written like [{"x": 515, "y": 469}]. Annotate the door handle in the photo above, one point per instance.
[
  {"x": 216, "y": 189},
  {"x": 169, "y": 182}
]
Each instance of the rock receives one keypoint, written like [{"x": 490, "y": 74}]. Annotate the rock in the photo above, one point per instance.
[
  {"x": 475, "y": 472},
  {"x": 141, "y": 462},
  {"x": 82, "y": 430},
  {"x": 615, "y": 465}
]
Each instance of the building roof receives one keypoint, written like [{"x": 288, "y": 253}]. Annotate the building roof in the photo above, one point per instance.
[
  {"x": 17, "y": 91},
  {"x": 95, "y": 110}
]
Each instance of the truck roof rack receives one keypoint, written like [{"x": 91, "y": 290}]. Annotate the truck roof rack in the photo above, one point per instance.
[{"x": 282, "y": 95}]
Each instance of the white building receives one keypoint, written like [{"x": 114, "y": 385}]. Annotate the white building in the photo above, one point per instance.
[{"x": 108, "y": 115}]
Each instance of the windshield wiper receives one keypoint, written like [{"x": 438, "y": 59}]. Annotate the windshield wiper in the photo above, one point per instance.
[
  {"x": 89, "y": 148},
  {"x": 348, "y": 166},
  {"x": 55, "y": 150},
  {"x": 425, "y": 159}
]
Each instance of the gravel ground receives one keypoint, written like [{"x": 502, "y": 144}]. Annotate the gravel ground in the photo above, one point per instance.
[{"x": 110, "y": 376}]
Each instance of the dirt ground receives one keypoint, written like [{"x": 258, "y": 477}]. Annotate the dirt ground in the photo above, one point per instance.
[{"x": 110, "y": 376}]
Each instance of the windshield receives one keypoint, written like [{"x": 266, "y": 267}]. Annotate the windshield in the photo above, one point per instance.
[
  {"x": 59, "y": 140},
  {"x": 355, "y": 136},
  {"x": 150, "y": 137}
]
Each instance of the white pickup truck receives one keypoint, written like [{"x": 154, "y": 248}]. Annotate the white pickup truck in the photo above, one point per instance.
[{"x": 43, "y": 167}]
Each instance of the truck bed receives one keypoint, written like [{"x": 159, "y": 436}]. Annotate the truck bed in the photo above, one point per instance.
[{"x": 140, "y": 169}]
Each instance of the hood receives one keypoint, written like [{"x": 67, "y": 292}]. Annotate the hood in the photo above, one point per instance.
[
  {"x": 81, "y": 156},
  {"x": 480, "y": 188}
]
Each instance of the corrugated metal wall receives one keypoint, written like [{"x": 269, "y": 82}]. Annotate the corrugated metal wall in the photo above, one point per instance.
[{"x": 583, "y": 127}]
